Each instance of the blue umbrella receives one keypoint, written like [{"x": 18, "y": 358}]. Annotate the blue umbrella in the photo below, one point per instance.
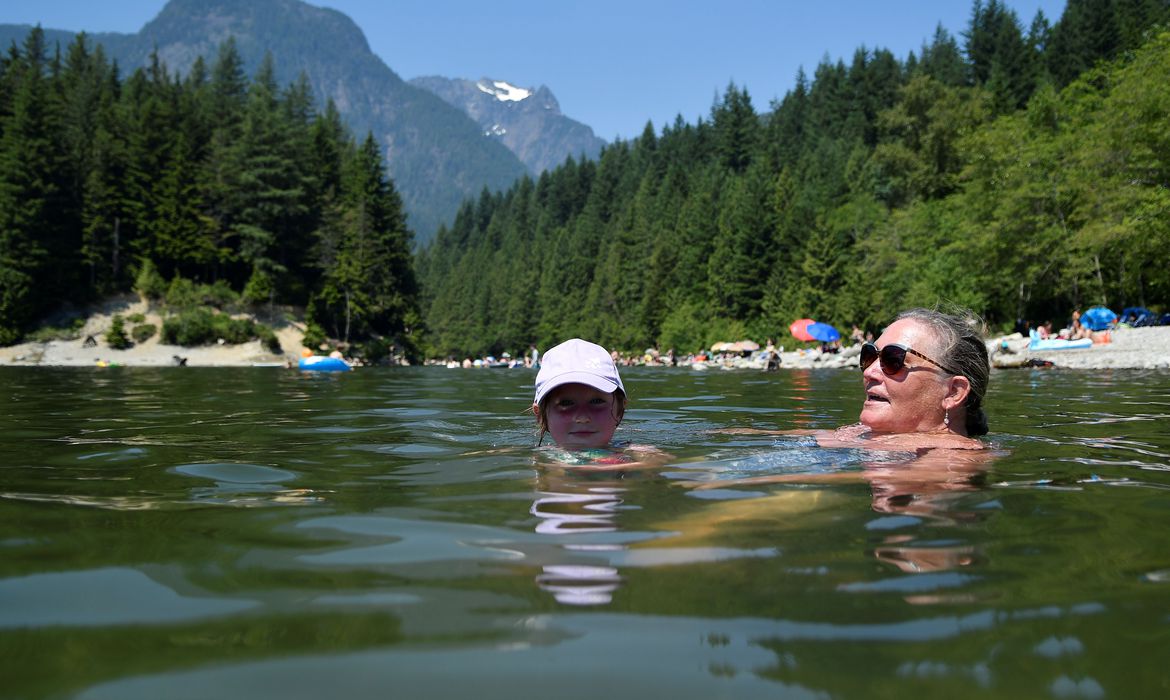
[
  {"x": 823, "y": 332},
  {"x": 1098, "y": 318}
]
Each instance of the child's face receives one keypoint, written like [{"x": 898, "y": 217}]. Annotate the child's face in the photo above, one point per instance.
[{"x": 580, "y": 416}]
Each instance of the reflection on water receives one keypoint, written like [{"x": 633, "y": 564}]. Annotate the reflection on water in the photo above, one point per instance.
[
  {"x": 589, "y": 511},
  {"x": 269, "y": 534}
]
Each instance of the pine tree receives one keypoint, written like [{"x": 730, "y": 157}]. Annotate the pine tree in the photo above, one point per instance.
[
  {"x": 737, "y": 129},
  {"x": 27, "y": 190},
  {"x": 943, "y": 60},
  {"x": 369, "y": 286}
]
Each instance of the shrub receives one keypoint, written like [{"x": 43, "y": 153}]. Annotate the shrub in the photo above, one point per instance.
[
  {"x": 116, "y": 336},
  {"x": 234, "y": 330},
  {"x": 70, "y": 331},
  {"x": 259, "y": 289},
  {"x": 268, "y": 337},
  {"x": 219, "y": 295},
  {"x": 182, "y": 294},
  {"x": 191, "y": 327},
  {"x": 143, "y": 332},
  {"x": 136, "y": 318},
  {"x": 203, "y": 326},
  {"x": 314, "y": 335},
  {"x": 374, "y": 350},
  {"x": 149, "y": 283}
]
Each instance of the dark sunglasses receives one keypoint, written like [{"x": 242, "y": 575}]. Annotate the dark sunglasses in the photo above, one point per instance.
[{"x": 893, "y": 358}]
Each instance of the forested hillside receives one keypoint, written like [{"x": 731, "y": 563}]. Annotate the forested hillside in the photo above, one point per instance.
[
  {"x": 1021, "y": 172},
  {"x": 242, "y": 186},
  {"x": 436, "y": 154}
]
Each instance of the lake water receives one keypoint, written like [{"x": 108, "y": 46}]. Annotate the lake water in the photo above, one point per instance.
[{"x": 259, "y": 533}]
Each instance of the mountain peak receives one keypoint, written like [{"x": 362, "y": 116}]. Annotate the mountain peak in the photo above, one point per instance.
[
  {"x": 439, "y": 155},
  {"x": 502, "y": 90},
  {"x": 528, "y": 121}
]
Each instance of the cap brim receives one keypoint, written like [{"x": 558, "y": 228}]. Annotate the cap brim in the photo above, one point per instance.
[{"x": 586, "y": 378}]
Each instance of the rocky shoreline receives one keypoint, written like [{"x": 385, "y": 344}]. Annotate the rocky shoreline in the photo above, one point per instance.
[{"x": 1130, "y": 348}]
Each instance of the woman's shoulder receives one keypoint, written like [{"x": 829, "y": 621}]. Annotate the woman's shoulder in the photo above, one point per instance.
[
  {"x": 859, "y": 435},
  {"x": 921, "y": 441}
]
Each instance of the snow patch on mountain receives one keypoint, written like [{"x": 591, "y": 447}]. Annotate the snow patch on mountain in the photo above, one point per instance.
[{"x": 503, "y": 91}]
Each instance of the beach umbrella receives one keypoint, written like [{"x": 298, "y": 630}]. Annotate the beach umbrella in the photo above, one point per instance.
[
  {"x": 1098, "y": 318},
  {"x": 799, "y": 329},
  {"x": 823, "y": 332},
  {"x": 747, "y": 346}
]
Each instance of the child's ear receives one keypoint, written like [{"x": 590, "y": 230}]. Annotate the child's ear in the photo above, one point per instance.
[{"x": 536, "y": 410}]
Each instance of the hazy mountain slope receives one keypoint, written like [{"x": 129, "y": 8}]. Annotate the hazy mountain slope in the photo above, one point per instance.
[
  {"x": 529, "y": 122},
  {"x": 436, "y": 154}
]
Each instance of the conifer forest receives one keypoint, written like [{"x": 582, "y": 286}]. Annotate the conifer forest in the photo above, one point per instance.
[{"x": 1020, "y": 170}]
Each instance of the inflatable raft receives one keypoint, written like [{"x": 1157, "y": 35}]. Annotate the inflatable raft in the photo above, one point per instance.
[
  {"x": 317, "y": 363},
  {"x": 1059, "y": 344}
]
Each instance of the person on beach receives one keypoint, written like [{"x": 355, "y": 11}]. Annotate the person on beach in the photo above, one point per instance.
[{"x": 580, "y": 401}]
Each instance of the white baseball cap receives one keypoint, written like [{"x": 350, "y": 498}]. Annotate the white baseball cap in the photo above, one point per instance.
[{"x": 576, "y": 361}]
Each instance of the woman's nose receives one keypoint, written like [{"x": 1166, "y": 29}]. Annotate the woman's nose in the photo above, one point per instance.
[{"x": 873, "y": 372}]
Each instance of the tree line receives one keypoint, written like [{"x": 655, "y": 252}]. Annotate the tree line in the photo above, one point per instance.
[
  {"x": 1019, "y": 172},
  {"x": 210, "y": 178}
]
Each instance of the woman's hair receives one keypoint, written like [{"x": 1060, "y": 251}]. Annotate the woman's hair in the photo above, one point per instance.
[
  {"x": 619, "y": 407},
  {"x": 961, "y": 345}
]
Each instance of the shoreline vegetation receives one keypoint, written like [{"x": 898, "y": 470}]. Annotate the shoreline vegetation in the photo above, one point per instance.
[
  {"x": 1019, "y": 173},
  {"x": 1130, "y": 348}
]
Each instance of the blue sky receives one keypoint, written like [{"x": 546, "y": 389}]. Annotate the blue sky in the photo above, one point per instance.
[{"x": 612, "y": 64}]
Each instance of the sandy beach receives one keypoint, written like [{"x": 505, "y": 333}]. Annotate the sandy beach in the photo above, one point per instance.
[
  {"x": 1131, "y": 348},
  {"x": 152, "y": 353}
]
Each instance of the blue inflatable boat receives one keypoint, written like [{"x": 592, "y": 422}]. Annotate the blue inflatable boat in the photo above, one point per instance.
[
  {"x": 317, "y": 363},
  {"x": 1059, "y": 344}
]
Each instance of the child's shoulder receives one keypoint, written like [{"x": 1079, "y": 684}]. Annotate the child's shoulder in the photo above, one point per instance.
[
  {"x": 589, "y": 456},
  {"x": 617, "y": 455}
]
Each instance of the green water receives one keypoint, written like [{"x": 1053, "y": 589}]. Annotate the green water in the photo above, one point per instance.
[{"x": 257, "y": 533}]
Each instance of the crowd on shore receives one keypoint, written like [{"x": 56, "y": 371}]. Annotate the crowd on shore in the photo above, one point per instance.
[{"x": 1120, "y": 347}]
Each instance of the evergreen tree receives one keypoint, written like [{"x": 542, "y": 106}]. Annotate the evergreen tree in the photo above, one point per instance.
[
  {"x": 943, "y": 60},
  {"x": 737, "y": 129},
  {"x": 369, "y": 287},
  {"x": 741, "y": 256},
  {"x": 27, "y": 191},
  {"x": 107, "y": 215}
]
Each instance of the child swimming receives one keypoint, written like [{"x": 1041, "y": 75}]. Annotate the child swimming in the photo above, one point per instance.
[{"x": 580, "y": 400}]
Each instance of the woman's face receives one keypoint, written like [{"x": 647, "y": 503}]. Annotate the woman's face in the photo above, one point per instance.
[
  {"x": 580, "y": 416},
  {"x": 911, "y": 401}
]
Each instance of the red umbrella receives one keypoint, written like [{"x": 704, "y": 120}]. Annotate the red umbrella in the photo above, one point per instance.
[{"x": 799, "y": 329}]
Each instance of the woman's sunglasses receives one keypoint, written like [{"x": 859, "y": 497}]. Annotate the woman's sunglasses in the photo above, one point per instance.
[{"x": 893, "y": 358}]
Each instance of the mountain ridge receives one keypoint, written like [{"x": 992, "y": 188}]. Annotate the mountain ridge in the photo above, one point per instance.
[
  {"x": 436, "y": 154},
  {"x": 528, "y": 121}
]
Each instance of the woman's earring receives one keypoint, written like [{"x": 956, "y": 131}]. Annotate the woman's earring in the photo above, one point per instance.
[{"x": 947, "y": 417}]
